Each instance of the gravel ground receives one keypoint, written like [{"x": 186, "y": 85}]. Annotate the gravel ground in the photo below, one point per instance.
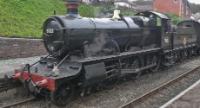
[
  {"x": 10, "y": 97},
  {"x": 124, "y": 92},
  {"x": 164, "y": 95},
  {"x": 189, "y": 100},
  {"x": 12, "y": 64}
]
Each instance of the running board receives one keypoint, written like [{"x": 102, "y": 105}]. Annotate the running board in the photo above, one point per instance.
[{"x": 132, "y": 71}]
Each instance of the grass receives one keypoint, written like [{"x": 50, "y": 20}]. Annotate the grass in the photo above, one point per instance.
[{"x": 24, "y": 18}]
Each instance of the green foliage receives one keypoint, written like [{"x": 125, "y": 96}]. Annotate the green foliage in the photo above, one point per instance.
[
  {"x": 195, "y": 8},
  {"x": 87, "y": 10},
  {"x": 127, "y": 12},
  {"x": 24, "y": 18},
  {"x": 175, "y": 19},
  {"x": 105, "y": 9}
]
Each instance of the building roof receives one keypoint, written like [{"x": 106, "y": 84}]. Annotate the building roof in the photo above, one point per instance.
[{"x": 147, "y": 13}]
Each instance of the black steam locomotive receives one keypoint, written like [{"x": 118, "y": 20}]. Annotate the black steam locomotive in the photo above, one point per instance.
[{"x": 85, "y": 53}]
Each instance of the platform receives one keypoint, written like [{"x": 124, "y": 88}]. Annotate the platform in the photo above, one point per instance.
[{"x": 189, "y": 98}]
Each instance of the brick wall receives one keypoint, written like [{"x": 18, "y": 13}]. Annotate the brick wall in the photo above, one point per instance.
[
  {"x": 20, "y": 48},
  {"x": 167, "y": 6},
  {"x": 178, "y": 7}
]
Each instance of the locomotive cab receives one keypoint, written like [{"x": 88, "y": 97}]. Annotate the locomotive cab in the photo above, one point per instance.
[{"x": 160, "y": 27}]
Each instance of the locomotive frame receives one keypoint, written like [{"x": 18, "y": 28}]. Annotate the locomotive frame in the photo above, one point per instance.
[{"x": 59, "y": 77}]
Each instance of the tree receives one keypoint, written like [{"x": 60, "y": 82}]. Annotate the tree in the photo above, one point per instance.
[{"x": 195, "y": 8}]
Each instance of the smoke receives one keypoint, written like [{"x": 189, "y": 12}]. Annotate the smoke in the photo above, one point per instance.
[{"x": 96, "y": 47}]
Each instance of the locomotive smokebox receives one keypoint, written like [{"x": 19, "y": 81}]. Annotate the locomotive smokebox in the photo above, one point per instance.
[{"x": 72, "y": 7}]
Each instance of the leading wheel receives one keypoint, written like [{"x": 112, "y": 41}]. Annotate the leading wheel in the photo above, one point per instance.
[{"x": 62, "y": 95}]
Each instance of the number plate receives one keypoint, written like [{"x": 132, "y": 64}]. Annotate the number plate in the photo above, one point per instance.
[{"x": 50, "y": 30}]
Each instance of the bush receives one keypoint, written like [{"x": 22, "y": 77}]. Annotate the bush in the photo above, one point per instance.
[
  {"x": 175, "y": 19},
  {"x": 87, "y": 10}
]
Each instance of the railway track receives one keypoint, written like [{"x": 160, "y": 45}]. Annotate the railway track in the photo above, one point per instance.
[
  {"x": 149, "y": 96},
  {"x": 6, "y": 85},
  {"x": 10, "y": 105},
  {"x": 3, "y": 85}
]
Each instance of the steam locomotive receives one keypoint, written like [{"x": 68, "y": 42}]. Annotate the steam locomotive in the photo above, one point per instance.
[{"x": 85, "y": 53}]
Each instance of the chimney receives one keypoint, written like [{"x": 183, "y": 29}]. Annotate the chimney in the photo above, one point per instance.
[{"x": 72, "y": 7}]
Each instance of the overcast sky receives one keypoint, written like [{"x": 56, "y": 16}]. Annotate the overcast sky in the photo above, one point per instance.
[
  {"x": 192, "y": 1},
  {"x": 195, "y": 1}
]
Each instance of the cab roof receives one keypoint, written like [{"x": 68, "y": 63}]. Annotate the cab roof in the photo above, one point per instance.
[{"x": 148, "y": 13}]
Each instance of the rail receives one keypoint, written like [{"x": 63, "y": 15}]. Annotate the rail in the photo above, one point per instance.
[
  {"x": 19, "y": 102},
  {"x": 157, "y": 90}
]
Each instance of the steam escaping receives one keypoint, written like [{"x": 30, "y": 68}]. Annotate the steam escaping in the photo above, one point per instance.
[{"x": 100, "y": 46}]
